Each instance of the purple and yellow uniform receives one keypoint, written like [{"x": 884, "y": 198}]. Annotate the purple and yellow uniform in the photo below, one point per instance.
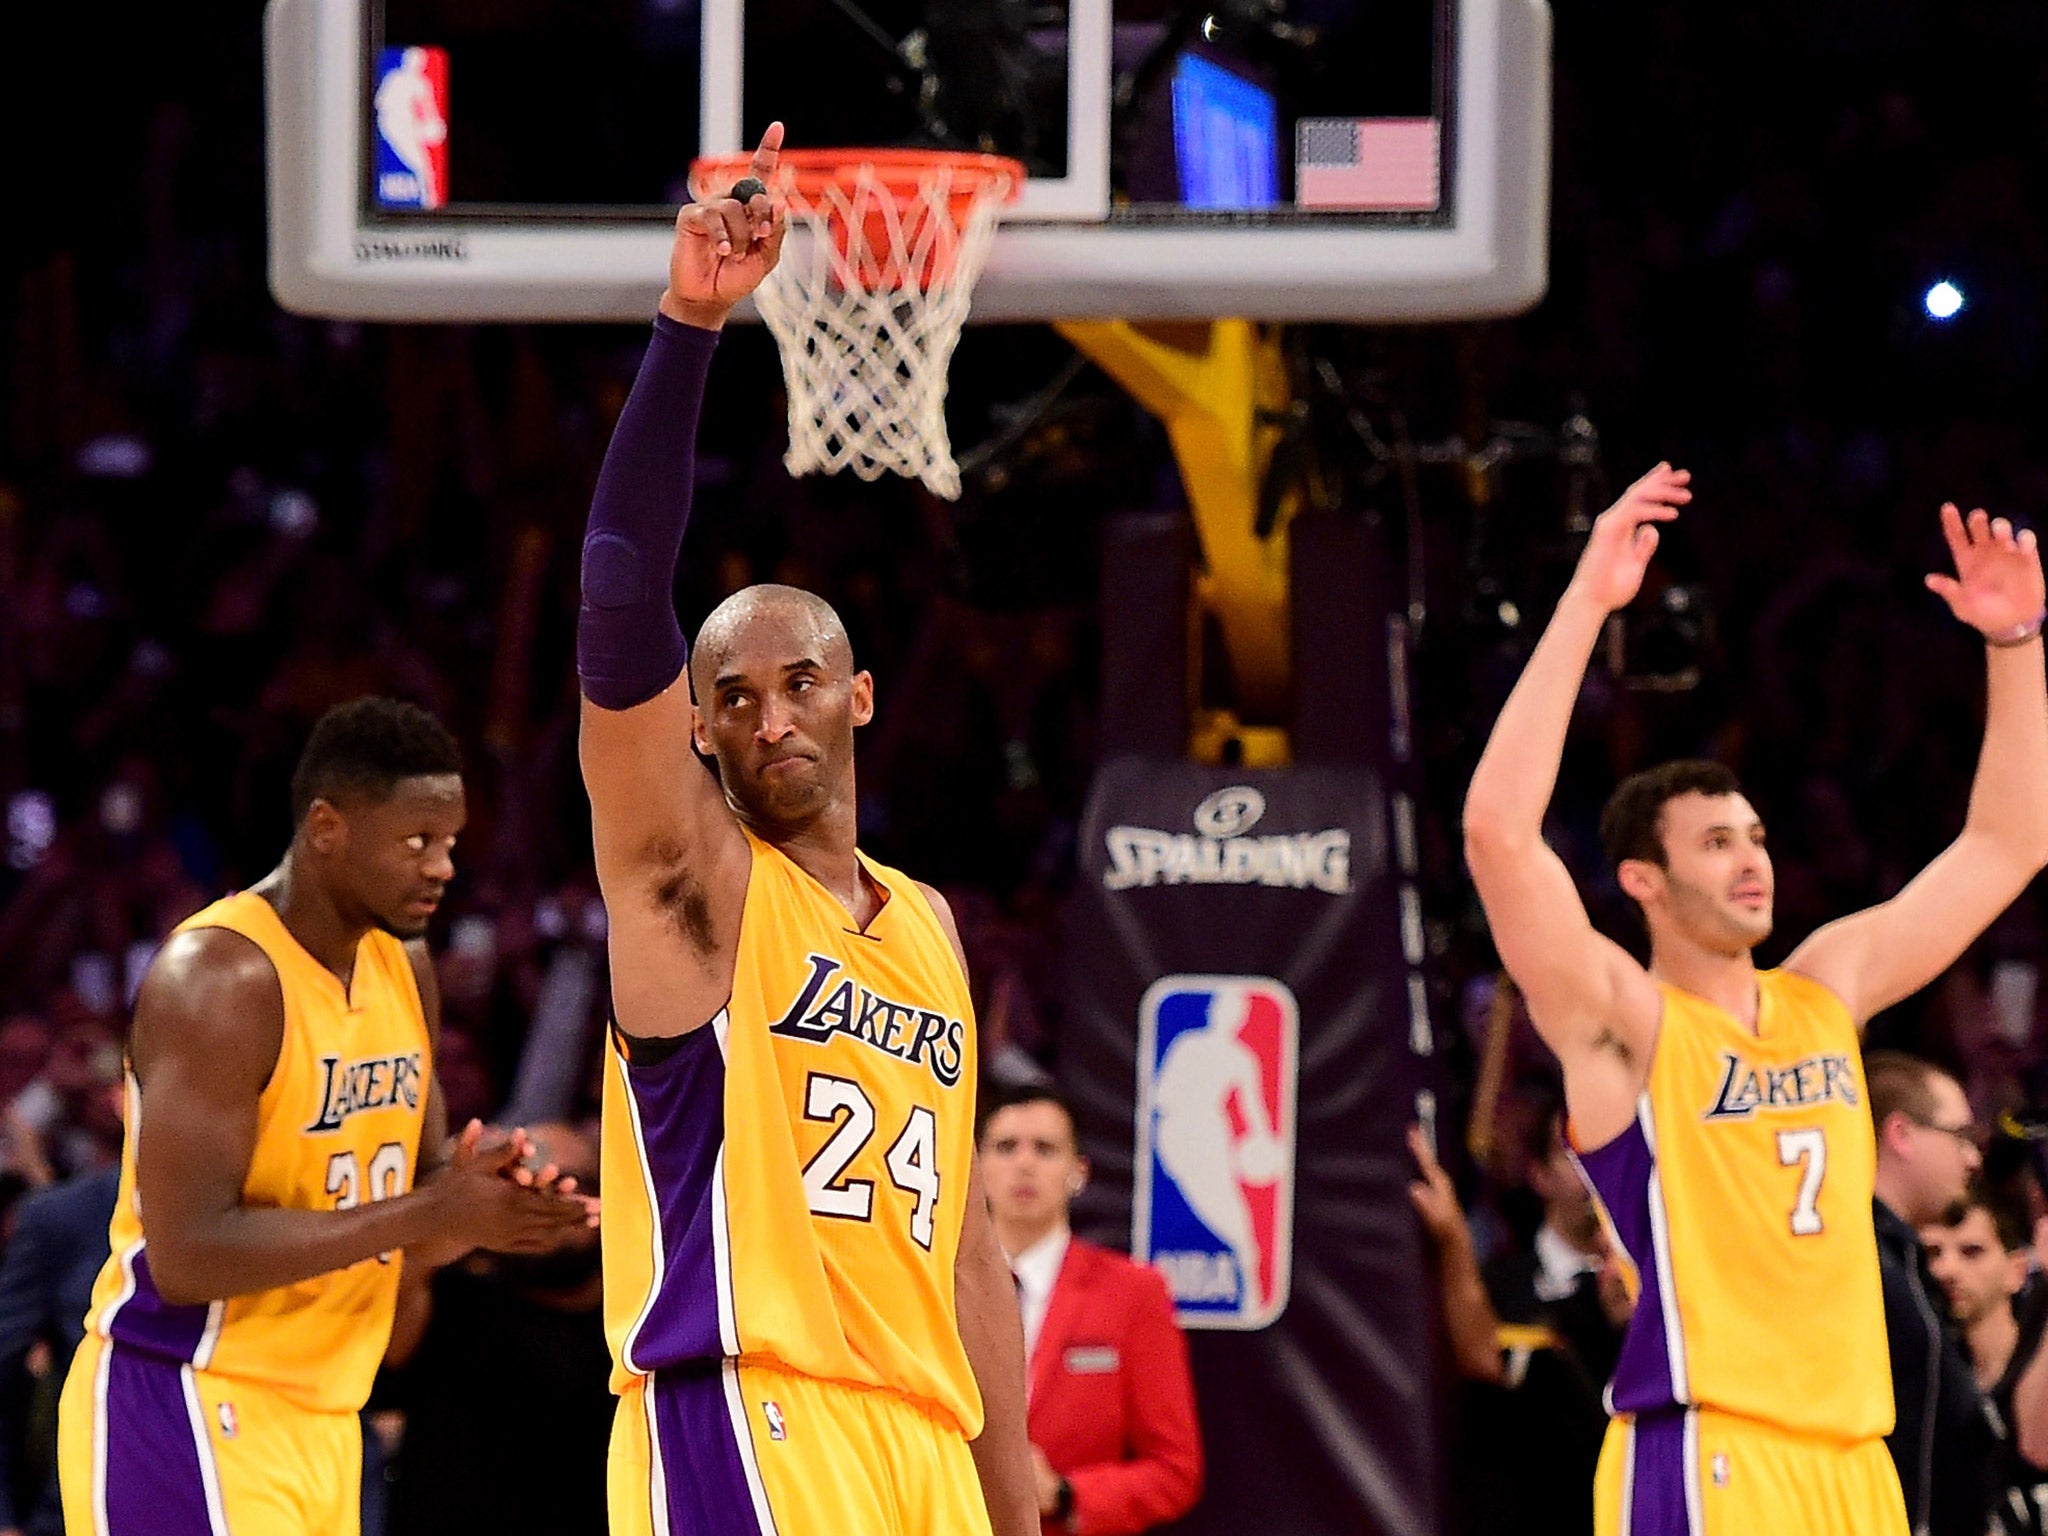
[
  {"x": 239, "y": 1417},
  {"x": 784, "y": 1192},
  {"x": 1753, "y": 1390}
]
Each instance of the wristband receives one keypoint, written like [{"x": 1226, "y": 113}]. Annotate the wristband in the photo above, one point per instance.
[{"x": 2019, "y": 634}]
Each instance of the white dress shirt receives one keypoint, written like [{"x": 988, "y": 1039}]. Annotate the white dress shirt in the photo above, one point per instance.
[
  {"x": 1559, "y": 1265},
  {"x": 1037, "y": 1268}
]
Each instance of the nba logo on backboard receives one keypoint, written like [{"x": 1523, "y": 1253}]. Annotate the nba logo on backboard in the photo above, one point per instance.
[
  {"x": 410, "y": 107},
  {"x": 1213, "y": 1206}
]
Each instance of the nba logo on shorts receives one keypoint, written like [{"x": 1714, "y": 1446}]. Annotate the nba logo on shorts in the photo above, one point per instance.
[
  {"x": 777, "y": 1429},
  {"x": 410, "y": 105},
  {"x": 1213, "y": 1206}
]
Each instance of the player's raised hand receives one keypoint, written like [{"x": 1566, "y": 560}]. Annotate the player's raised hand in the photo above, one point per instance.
[
  {"x": 1998, "y": 588},
  {"x": 1625, "y": 536},
  {"x": 725, "y": 247}
]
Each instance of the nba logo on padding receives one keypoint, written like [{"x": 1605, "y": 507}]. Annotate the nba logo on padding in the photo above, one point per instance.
[
  {"x": 1213, "y": 1206},
  {"x": 410, "y": 108}
]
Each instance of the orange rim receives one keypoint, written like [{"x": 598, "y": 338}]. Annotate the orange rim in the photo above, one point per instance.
[{"x": 900, "y": 171}]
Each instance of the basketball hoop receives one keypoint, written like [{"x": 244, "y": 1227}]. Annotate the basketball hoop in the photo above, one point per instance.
[{"x": 867, "y": 303}]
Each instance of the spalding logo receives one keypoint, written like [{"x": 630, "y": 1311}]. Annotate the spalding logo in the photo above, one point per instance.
[
  {"x": 1229, "y": 812},
  {"x": 1222, "y": 854}
]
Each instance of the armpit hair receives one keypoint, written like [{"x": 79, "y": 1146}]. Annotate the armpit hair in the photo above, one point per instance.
[
  {"x": 1609, "y": 1040},
  {"x": 679, "y": 893}
]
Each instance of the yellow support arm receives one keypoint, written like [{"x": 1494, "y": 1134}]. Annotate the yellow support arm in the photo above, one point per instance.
[{"x": 1209, "y": 384}]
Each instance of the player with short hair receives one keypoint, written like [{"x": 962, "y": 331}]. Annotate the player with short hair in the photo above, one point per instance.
[
  {"x": 812, "y": 1325},
  {"x": 285, "y": 1143},
  {"x": 1719, "y": 1111}
]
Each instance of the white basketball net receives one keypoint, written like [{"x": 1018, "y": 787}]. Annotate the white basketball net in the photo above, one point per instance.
[{"x": 866, "y": 334}]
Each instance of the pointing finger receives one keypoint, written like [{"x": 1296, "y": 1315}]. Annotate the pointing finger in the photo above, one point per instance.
[{"x": 769, "y": 151}]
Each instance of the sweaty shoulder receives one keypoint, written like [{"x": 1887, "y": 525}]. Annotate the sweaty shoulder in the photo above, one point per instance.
[{"x": 214, "y": 992}]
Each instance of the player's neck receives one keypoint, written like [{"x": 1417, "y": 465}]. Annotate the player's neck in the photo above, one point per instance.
[
  {"x": 1726, "y": 980},
  {"x": 308, "y": 913},
  {"x": 823, "y": 848},
  {"x": 1993, "y": 1338}
]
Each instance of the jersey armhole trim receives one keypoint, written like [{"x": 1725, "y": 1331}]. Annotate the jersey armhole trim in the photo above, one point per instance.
[{"x": 646, "y": 1052}]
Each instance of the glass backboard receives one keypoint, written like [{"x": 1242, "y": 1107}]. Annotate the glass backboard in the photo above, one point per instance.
[{"x": 1356, "y": 160}]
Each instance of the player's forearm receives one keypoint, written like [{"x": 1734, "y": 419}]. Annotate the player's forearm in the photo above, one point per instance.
[
  {"x": 629, "y": 646},
  {"x": 992, "y": 1332},
  {"x": 246, "y": 1249},
  {"x": 2009, "y": 800},
  {"x": 1517, "y": 772}
]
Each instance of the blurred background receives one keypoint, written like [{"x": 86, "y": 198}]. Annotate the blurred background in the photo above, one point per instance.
[{"x": 216, "y": 520}]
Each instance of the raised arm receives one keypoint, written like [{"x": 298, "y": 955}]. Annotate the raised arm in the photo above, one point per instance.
[
  {"x": 1584, "y": 991},
  {"x": 1878, "y": 956},
  {"x": 209, "y": 1023},
  {"x": 670, "y": 855}
]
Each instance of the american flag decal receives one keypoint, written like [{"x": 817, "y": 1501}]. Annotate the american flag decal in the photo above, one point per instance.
[{"x": 1370, "y": 164}]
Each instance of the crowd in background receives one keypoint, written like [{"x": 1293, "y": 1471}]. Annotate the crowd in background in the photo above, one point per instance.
[{"x": 216, "y": 520}]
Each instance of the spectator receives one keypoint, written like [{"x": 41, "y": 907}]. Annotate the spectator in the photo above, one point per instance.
[
  {"x": 1567, "y": 1280},
  {"x": 1468, "y": 1314},
  {"x": 55, "y": 1252},
  {"x": 1528, "y": 1420},
  {"x": 1941, "y": 1441},
  {"x": 504, "y": 1333},
  {"x": 1977, "y": 1252},
  {"x": 1112, "y": 1419}
]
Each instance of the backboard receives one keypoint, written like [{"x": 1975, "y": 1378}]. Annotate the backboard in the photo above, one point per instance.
[{"x": 1354, "y": 160}]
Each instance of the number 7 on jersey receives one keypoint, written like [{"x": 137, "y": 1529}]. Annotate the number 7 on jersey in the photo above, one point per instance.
[{"x": 1808, "y": 1149}]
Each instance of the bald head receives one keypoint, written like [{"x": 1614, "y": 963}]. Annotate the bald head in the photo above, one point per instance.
[{"x": 803, "y": 618}]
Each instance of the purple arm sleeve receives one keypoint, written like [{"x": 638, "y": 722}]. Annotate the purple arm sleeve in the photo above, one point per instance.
[{"x": 629, "y": 646}]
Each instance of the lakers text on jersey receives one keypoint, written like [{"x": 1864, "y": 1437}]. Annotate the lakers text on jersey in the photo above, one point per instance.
[{"x": 785, "y": 1189}]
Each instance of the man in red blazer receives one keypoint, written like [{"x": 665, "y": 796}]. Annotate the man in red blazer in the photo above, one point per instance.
[{"x": 1112, "y": 1418}]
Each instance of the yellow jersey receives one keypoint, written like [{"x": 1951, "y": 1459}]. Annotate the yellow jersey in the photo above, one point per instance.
[
  {"x": 1742, "y": 1198},
  {"x": 338, "y": 1123},
  {"x": 786, "y": 1184}
]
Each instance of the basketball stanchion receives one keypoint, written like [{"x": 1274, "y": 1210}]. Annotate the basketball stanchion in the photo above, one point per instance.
[{"x": 875, "y": 282}]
